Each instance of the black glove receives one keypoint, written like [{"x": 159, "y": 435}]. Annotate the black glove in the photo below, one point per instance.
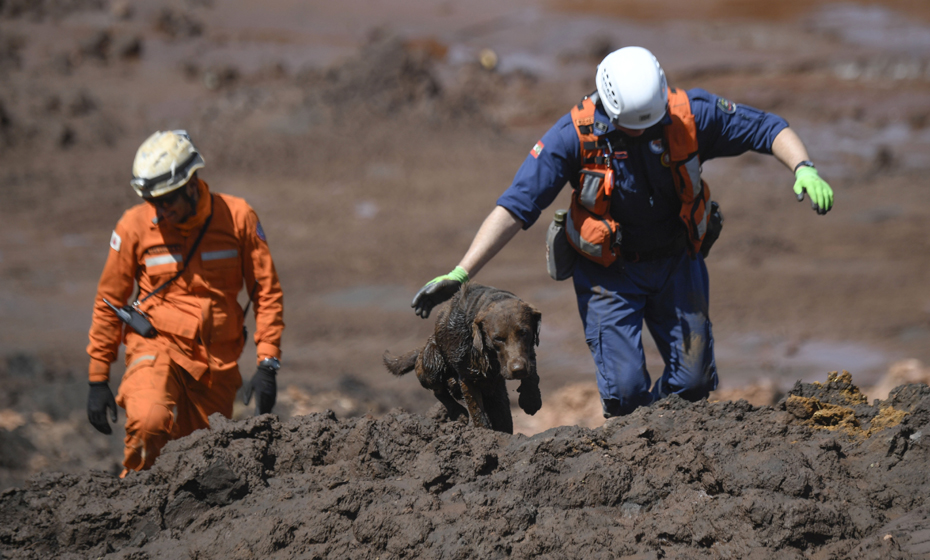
[
  {"x": 99, "y": 399},
  {"x": 438, "y": 290},
  {"x": 264, "y": 385}
]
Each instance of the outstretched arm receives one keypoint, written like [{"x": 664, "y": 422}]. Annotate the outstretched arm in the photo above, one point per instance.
[
  {"x": 788, "y": 149},
  {"x": 497, "y": 230}
]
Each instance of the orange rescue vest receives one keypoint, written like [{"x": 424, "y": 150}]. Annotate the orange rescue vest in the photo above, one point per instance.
[{"x": 591, "y": 229}]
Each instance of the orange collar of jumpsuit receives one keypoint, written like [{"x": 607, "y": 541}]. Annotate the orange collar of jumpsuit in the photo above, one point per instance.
[{"x": 200, "y": 215}]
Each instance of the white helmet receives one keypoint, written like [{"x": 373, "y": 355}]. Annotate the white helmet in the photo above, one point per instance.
[
  {"x": 164, "y": 162},
  {"x": 632, "y": 88}
]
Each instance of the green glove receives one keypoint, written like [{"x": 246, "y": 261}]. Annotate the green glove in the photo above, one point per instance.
[
  {"x": 438, "y": 290},
  {"x": 820, "y": 193}
]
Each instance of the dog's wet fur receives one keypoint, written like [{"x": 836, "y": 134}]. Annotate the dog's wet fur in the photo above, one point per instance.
[{"x": 483, "y": 338}]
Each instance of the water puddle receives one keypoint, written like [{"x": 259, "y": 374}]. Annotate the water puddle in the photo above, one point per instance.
[{"x": 750, "y": 357}]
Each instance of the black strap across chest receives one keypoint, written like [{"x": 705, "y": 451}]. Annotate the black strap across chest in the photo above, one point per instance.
[{"x": 187, "y": 259}]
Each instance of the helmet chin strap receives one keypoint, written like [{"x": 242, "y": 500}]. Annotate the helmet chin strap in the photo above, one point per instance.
[{"x": 191, "y": 198}]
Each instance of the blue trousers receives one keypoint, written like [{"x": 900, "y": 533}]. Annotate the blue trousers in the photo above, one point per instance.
[{"x": 671, "y": 296}]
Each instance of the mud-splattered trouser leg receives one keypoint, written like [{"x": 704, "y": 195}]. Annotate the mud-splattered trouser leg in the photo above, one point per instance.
[
  {"x": 164, "y": 402},
  {"x": 668, "y": 295},
  {"x": 678, "y": 319}
]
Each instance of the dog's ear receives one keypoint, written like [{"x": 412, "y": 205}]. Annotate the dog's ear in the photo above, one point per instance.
[
  {"x": 477, "y": 336},
  {"x": 536, "y": 318},
  {"x": 479, "y": 354}
]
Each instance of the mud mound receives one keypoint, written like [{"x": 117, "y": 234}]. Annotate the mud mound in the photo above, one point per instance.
[
  {"x": 578, "y": 404},
  {"x": 677, "y": 480},
  {"x": 899, "y": 373},
  {"x": 37, "y": 10},
  {"x": 387, "y": 75}
]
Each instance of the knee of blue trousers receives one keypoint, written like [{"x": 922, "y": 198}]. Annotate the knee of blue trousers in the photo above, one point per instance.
[
  {"x": 622, "y": 389},
  {"x": 689, "y": 385}
]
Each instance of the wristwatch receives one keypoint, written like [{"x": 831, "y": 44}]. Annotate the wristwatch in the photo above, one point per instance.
[
  {"x": 805, "y": 163},
  {"x": 270, "y": 363}
]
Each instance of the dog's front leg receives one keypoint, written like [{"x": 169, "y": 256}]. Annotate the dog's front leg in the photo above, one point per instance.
[
  {"x": 475, "y": 405},
  {"x": 530, "y": 399}
]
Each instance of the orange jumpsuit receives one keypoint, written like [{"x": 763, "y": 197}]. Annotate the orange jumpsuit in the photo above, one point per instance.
[{"x": 188, "y": 371}]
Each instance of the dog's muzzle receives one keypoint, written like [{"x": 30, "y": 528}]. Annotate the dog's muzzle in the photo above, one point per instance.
[{"x": 519, "y": 369}]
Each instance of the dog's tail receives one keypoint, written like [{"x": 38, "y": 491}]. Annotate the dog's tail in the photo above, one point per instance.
[{"x": 402, "y": 364}]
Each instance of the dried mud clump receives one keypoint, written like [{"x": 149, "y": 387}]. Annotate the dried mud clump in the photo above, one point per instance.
[
  {"x": 38, "y": 10},
  {"x": 6, "y": 125},
  {"x": 387, "y": 76},
  {"x": 676, "y": 480},
  {"x": 178, "y": 24}
]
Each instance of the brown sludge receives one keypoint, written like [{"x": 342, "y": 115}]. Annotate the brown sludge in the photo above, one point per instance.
[
  {"x": 372, "y": 159},
  {"x": 676, "y": 480}
]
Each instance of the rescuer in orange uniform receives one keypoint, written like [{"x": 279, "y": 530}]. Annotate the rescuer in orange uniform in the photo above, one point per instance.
[{"x": 190, "y": 252}]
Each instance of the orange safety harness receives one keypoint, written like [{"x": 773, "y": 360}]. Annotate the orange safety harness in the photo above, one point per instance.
[{"x": 591, "y": 229}]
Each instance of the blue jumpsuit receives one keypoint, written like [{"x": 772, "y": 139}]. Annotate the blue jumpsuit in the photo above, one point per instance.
[{"x": 665, "y": 288}]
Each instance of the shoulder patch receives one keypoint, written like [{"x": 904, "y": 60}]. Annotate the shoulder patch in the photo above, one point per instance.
[
  {"x": 537, "y": 149},
  {"x": 116, "y": 241},
  {"x": 260, "y": 232},
  {"x": 726, "y": 105}
]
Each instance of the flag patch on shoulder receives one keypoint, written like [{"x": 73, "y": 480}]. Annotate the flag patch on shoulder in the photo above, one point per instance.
[
  {"x": 537, "y": 149},
  {"x": 260, "y": 232},
  {"x": 115, "y": 241},
  {"x": 726, "y": 105}
]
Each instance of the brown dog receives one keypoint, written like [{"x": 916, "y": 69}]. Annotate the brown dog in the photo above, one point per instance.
[{"x": 484, "y": 337}]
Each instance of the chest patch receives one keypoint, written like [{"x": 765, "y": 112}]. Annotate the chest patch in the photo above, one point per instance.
[
  {"x": 656, "y": 146},
  {"x": 537, "y": 149},
  {"x": 726, "y": 105},
  {"x": 116, "y": 241}
]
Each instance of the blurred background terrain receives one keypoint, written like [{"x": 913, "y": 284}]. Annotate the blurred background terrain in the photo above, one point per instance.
[{"x": 373, "y": 137}]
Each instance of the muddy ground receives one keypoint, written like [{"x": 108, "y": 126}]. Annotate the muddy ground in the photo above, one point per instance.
[
  {"x": 820, "y": 475},
  {"x": 372, "y": 143}
]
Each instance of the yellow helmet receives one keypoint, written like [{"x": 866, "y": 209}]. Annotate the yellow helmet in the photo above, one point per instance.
[{"x": 164, "y": 162}]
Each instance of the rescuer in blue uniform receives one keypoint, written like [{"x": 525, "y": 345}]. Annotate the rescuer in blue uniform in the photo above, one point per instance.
[{"x": 658, "y": 276}]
